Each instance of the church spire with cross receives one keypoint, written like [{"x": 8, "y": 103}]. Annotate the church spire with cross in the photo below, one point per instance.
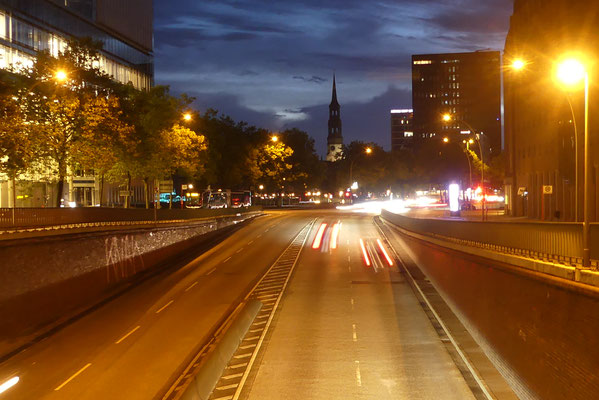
[{"x": 335, "y": 137}]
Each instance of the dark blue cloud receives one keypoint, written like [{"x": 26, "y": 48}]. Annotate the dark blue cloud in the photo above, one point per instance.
[{"x": 271, "y": 63}]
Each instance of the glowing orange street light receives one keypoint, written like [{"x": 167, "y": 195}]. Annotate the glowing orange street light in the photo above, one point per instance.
[
  {"x": 518, "y": 64},
  {"x": 274, "y": 138},
  {"x": 187, "y": 117},
  {"x": 447, "y": 117},
  {"x": 368, "y": 150},
  {"x": 445, "y": 140},
  {"x": 60, "y": 75}
]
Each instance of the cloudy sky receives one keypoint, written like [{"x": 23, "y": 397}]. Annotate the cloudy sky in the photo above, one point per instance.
[{"x": 271, "y": 63}]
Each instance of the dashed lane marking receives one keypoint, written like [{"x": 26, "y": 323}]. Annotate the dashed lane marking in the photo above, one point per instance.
[
  {"x": 73, "y": 377},
  {"x": 354, "y": 333},
  {"x": 227, "y": 259},
  {"x": 192, "y": 285},
  {"x": 233, "y": 376},
  {"x": 358, "y": 374},
  {"x": 128, "y": 334},
  {"x": 165, "y": 306},
  {"x": 227, "y": 387},
  {"x": 211, "y": 271}
]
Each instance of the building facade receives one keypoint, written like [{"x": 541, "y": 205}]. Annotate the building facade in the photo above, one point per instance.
[
  {"x": 126, "y": 30},
  {"x": 402, "y": 129},
  {"x": 335, "y": 136},
  {"x": 544, "y": 123},
  {"x": 465, "y": 85}
]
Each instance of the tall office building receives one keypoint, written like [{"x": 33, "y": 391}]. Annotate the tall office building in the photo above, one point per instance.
[
  {"x": 402, "y": 129},
  {"x": 335, "y": 136},
  {"x": 125, "y": 28},
  {"x": 465, "y": 85},
  {"x": 542, "y": 146}
]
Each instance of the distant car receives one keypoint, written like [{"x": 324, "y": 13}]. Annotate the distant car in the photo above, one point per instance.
[{"x": 467, "y": 206}]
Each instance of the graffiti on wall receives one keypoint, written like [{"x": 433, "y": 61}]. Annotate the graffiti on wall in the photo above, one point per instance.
[{"x": 123, "y": 257}]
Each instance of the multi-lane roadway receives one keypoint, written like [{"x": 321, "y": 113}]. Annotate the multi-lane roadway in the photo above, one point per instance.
[{"x": 348, "y": 325}]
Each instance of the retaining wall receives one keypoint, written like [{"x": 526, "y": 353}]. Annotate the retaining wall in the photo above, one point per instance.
[
  {"x": 43, "y": 280},
  {"x": 541, "y": 331}
]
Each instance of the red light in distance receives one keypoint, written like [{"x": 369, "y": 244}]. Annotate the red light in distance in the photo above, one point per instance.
[
  {"x": 385, "y": 252},
  {"x": 365, "y": 253},
  {"x": 318, "y": 238}
]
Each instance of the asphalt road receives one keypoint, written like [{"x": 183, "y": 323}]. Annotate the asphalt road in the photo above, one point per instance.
[
  {"x": 348, "y": 328},
  {"x": 134, "y": 346}
]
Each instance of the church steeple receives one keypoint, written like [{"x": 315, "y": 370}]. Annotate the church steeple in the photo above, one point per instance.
[
  {"x": 335, "y": 137},
  {"x": 334, "y": 98}
]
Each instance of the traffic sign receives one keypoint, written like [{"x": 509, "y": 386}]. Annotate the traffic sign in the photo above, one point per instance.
[{"x": 547, "y": 189}]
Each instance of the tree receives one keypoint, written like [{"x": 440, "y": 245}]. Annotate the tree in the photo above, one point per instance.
[
  {"x": 269, "y": 163},
  {"x": 307, "y": 169}
]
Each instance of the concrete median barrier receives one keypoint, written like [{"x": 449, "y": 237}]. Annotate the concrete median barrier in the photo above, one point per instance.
[{"x": 202, "y": 384}]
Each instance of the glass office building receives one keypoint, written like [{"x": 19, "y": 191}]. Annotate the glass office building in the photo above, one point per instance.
[{"x": 28, "y": 26}]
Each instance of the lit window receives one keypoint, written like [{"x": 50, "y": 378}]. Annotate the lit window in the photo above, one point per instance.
[
  {"x": 408, "y": 134},
  {"x": 422, "y": 62}
]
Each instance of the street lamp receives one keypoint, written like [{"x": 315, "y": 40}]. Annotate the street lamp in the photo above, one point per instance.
[
  {"x": 187, "y": 117},
  {"x": 571, "y": 72},
  {"x": 518, "y": 64},
  {"x": 274, "y": 138},
  {"x": 447, "y": 118},
  {"x": 60, "y": 75},
  {"x": 367, "y": 151}
]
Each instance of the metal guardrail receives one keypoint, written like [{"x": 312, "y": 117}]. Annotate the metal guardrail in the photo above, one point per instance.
[
  {"x": 556, "y": 241},
  {"x": 40, "y": 217}
]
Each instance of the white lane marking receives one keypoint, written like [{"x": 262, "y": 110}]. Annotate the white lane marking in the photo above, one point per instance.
[
  {"x": 250, "y": 242},
  {"x": 249, "y": 346},
  {"x": 254, "y": 337},
  {"x": 348, "y": 259},
  {"x": 128, "y": 334},
  {"x": 238, "y": 365},
  {"x": 243, "y": 355},
  {"x": 354, "y": 333},
  {"x": 227, "y": 387},
  {"x": 227, "y": 259},
  {"x": 165, "y": 306},
  {"x": 224, "y": 398},
  {"x": 358, "y": 374},
  {"x": 232, "y": 376},
  {"x": 73, "y": 377},
  {"x": 260, "y": 235},
  {"x": 192, "y": 285},
  {"x": 239, "y": 251},
  {"x": 211, "y": 271}
]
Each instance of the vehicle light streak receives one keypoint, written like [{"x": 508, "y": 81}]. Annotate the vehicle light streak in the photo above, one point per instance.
[
  {"x": 318, "y": 238},
  {"x": 335, "y": 235},
  {"x": 385, "y": 252},
  {"x": 8, "y": 384},
  {"x": 365, "y": 253}
]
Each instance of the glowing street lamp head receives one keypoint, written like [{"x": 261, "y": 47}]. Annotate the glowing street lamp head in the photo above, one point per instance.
[
  {"x": 261, "y": 187},
  {"x": 447, "y": 117},
  {"x": 445, "y": 140},
  {"x": 187, "y": 117},
  {"x": 368, "y": 150},
  {"x": 274, "y": 138},
  {"x": 571, "y": 72},
  {"x": 518, "y": 64},
  {"x": 60, "y": 75}
]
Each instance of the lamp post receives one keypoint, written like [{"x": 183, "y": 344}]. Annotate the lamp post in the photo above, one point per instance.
[
  {"x": 571, "y": 72},
  {"x": 447, "y": 118},
  {"x": 467, "y": 143},
  {"x": 367, "y": 151}
]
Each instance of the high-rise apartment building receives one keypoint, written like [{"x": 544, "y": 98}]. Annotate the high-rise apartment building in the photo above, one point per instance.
[
  {"x": 402, "y": 129},
  {"x": 465, "y": 85},
  {"x": 125, "y": 28}
]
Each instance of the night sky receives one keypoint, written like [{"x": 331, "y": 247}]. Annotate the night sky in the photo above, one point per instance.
[{"x": 271, "y": 63}]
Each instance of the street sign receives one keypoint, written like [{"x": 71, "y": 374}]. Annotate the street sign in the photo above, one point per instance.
[
  {"x": 165, "y": 186},
  {"x": 547, "y": 189},
  {"x": 125, "y": 193}
]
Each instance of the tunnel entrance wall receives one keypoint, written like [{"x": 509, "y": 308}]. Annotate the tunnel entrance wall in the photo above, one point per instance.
[
  {"x": 544, "y": 329},
  {"x": 44, "y": 281}
]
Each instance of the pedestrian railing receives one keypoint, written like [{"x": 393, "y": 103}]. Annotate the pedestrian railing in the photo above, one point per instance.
[
  {"x": 553, "y": 241},
  {"x": 12, "y": 218}
]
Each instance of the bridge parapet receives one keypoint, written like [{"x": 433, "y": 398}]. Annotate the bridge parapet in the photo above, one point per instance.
[{"x": 559, "y": 242}]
